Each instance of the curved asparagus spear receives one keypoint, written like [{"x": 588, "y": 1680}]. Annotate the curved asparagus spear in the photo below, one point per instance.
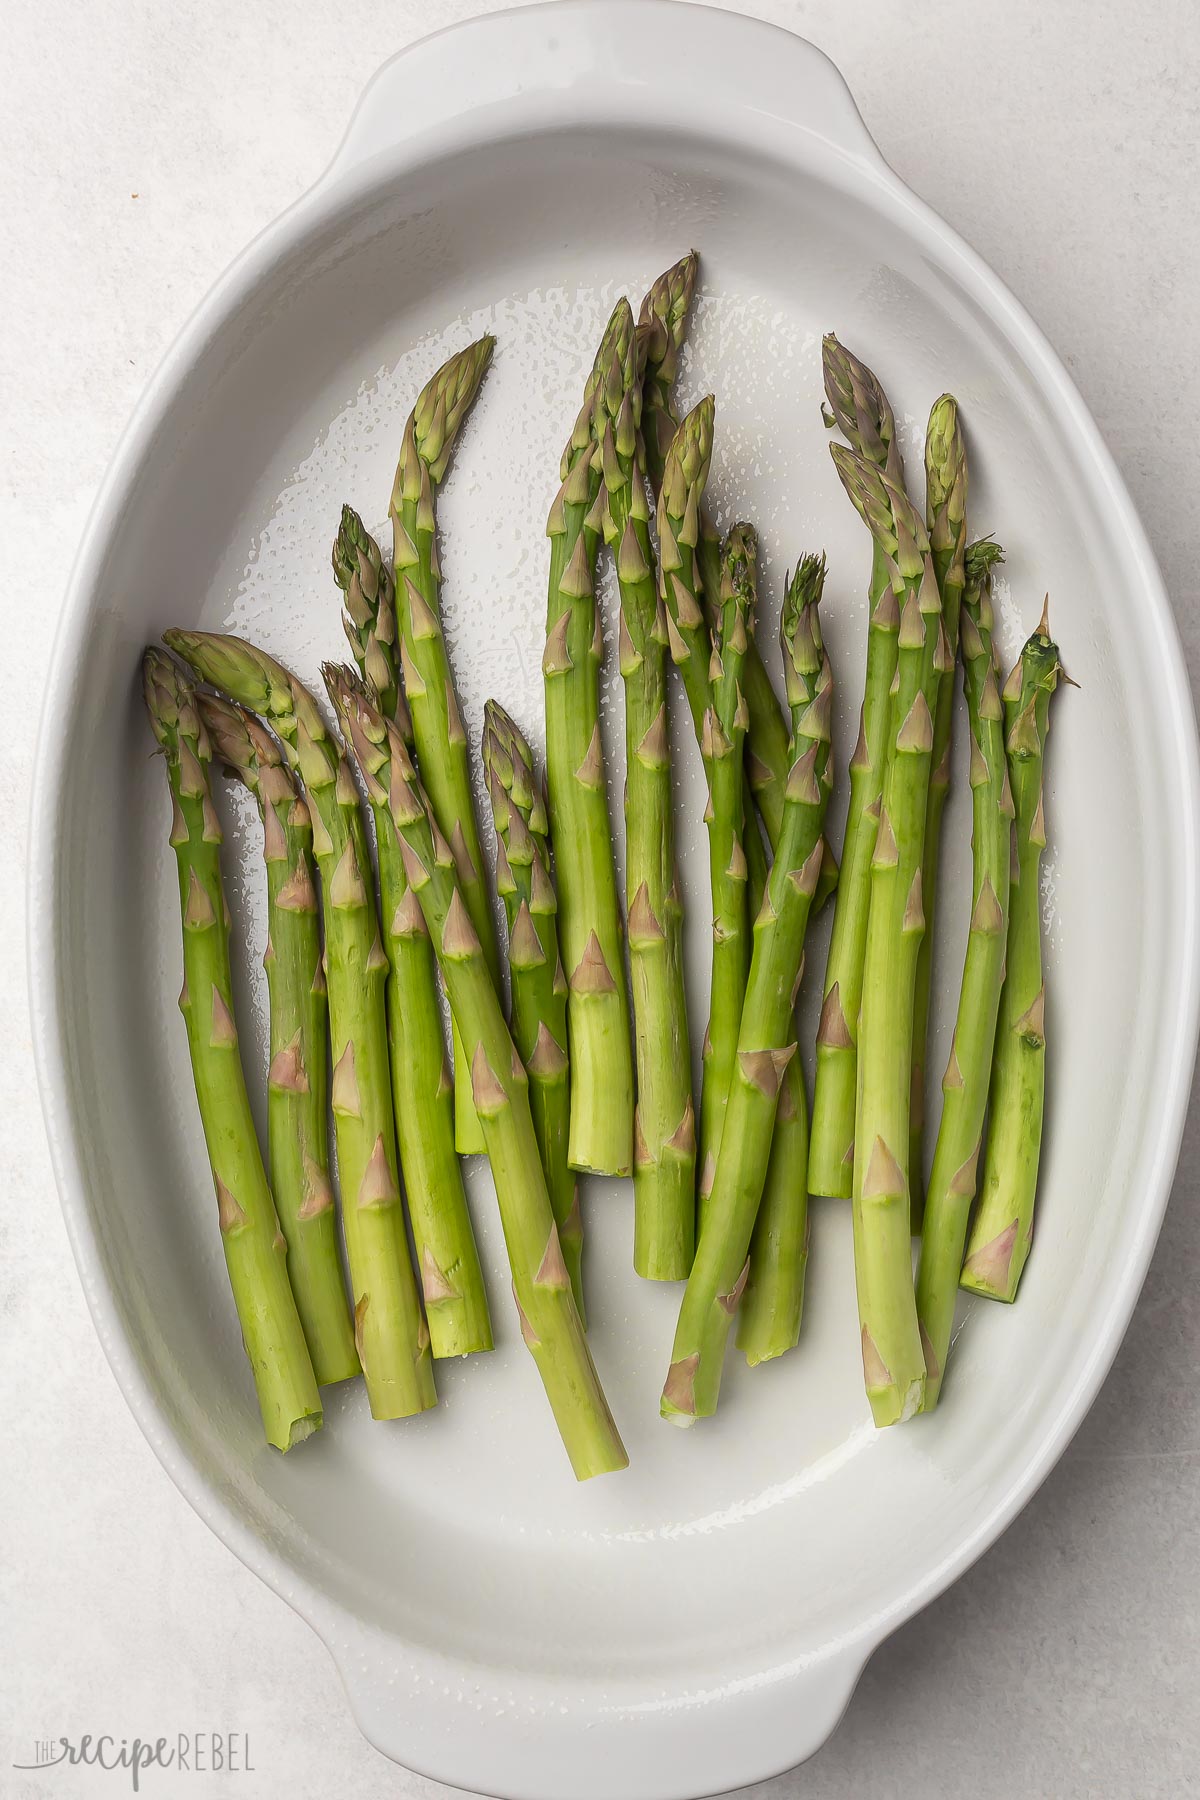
[
  {"x": 539, "y": 987},
  {"x": 389, "y": 1324},
  {"x": 769, "y": 1317},
  {"x": 861, "y": 410},
  {"x": 298, "y": 1076},
  {"x": 946, "y": 518},
  {"x": 254, "y": 1246},
  {"x": 442, "y": 751},
  {"x": 588, "y": 911},
  {"x": 965, "y": 1084},
  {"x": 893, "y": 1362},
  {"x": 664, "y": 1139},
  {"x": 1003, "y": 1226},
  {"x": 550, "y": 1322},
  {"x": 451, "y": 1279},
  {"x": 370, "y": 616},
  {"x": 766, "y": 1045}
]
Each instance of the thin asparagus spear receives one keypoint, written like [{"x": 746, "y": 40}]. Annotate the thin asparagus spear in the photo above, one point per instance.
[
  {"x": 766, "y": 1044},
  {"x": 539, "y": 987},
  {"x": 254, "y": 1246},
  {"x": 369, "y": 585},
  {"x": 442, "y": 750},
  {"x": 893, "y": 1362},
  {"x": 1003, "y": 1226},
  {"x": 772, "y": 1305},
  {"x": 550, "y": 1321},
  {"x": 390, "y": 1329},
  {"x": 664, "y": 1135},
  {"x": 588, "y": 911},
  {"x": 946, "y": 518},
  {"x": 661, "y": 331},
  {"x": 861, "y": 410},
  {"x": 451, "y": 1279},
  {"x": 965, "y": 1083},
  {"x": 298, "y": 1076}
]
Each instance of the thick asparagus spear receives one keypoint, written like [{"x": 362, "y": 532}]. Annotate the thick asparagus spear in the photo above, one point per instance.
[
  {"x": 946, "y": 518},
  {"x": 254, "y": 1246},
  {"x": 965, "y": 1084},
  {"x": 766, "y": 1045},
  {"x": 447, "y": 1259},
  {"x": 390, "y": 1328},
  {"x": 588, "y": 911},
  {"x": 769, "y": 1317},
  {"x": 1003, "y": 1226},
  {"x": 862, "y": 412},
  {"x": 664, "y": 1138},
  {"x": 550, "y": 1321},
  {"x": 893, "y": 1362},
  {"x": 298, "y": 1076},
  {"x": 539, "y": 987},
  {"x": 370, "y": 616},
  {"x": 442, "y": 750}
]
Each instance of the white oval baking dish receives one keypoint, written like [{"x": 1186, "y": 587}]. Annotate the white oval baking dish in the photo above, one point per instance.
[{"x": 699, "y": 1622}]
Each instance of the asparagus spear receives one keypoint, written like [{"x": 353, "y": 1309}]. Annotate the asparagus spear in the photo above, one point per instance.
[
  {"x": 893, "y": 1362},
  {"x": 965, "y": 1083},
  {"x": 661, "y": 331},
  {"x": 539, "y": 987},
  {"x": 441, "y": 742},
  {"x": 664, "y": 1135},
  {"x": 298, "y": 1076},
  {"x": 550, "y": 1321},
  {"x": 861, "y": 409},
  {"x": 946, "y": 518},
  {"x": 766, "y": 1045},
  {"x": 390, "y": 1329},
  {"x": 769, "y": 1318},
  {"x": 254, "y": 1246},
  {"x": 447, "y": 1259},
  {"x": 1003, "y": 1227},
  {"x": 370, "y": 616},
  {"x": 589, "y": 914}
]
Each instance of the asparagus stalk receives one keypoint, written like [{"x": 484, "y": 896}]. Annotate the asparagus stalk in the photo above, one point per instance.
[
  {"x": 298, "y": 1076},
  {"x": 946, "y": 518},
  {"x": 539, "y": 987},
  {"x": 1003, "y": 1227},
  {"x": 766, "y": 1045},
  {"x": 661, "y": 332},
  {"x": 370, "y": 616},
  {"x": 664, "y": 1136},
  {"x": 550, "y": 1321},
  {"x": 589, "y": 915},
  {"x": 772, "y": 1305},
  {"x": 441, "y": 742},
  {"x": 390, "y": 1329},
  {"x": 254, "y": 1246},
  {"x": 860, "y": 408},
  {"x": 893, "y": 1362},
  {"x": 965, "y": 1084}
]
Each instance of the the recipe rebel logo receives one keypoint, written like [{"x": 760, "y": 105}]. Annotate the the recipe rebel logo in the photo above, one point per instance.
[{"x": 189, "y": 1753}]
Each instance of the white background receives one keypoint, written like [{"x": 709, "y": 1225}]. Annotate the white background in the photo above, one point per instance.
[{"x": 142, "y": 143}]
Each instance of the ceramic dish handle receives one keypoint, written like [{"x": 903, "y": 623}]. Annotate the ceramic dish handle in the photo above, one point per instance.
[{"x": 464, "y": 81}]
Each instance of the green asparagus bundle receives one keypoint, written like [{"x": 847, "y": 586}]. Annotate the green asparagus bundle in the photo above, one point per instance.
[
  {"x": 664, "y": 1139},
  {"x": 441, "y": 742},
  {"x": 589, "y": 914},
  {"x": 769, "y": 1318},
  {"x": 298, "y": 1075},
  {"x": 255, "y": 1248},
  {"x": 766, "y": 1044},
  {"x": 550, "y": 1321},
  {"x": 539, "y": 987},
  {"x": 1003, "y": 1226},
  {"x": 390, "y": 1329},
  {"x": 452, "y": 1284},
  {"x": 893, "y": 1361},
  {"x": 965, "y": 1084},
  {"x": 861, "y": 410},
  {"x": 946, "y": 518}
]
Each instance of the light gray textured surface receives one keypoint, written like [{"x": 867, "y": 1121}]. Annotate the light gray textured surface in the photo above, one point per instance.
[{"x": 1064, "y": 144}]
